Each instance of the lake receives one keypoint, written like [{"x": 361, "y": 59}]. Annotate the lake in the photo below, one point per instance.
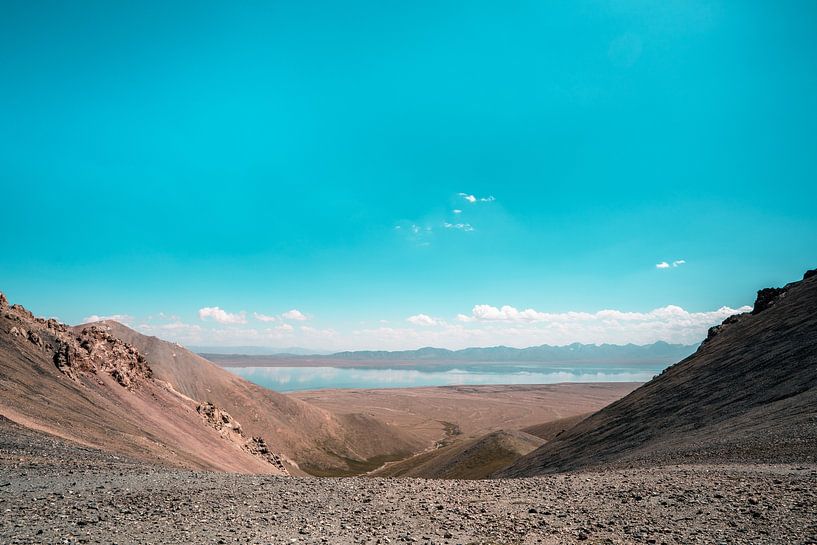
[{"x": 291, "y": 379}]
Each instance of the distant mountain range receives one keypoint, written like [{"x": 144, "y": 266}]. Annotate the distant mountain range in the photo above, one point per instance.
[
  {"x": 258, "y": 350},
  {"x": 571, "y": 352},
  {"x": 659, "y": 352}
]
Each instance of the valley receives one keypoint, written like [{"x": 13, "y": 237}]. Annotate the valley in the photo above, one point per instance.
[{"x": 108, "y": 435}]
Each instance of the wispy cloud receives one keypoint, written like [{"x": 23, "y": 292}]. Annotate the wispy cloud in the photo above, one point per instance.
[
  {"x": 420, "y": 235},
  {"x": 263, "y": 317},
  {"x": 662, "y": 265},
  {"x": 121, "y": 318},
  {"x": 422, "y": 320},
  {"x": 222, "y": 316},
  {"x": 294, "y": 314},
  {"x": 474, "y": 199},
  {"x": 457, "y": 211},
  {"x": 678, "y": 263},
  {"x": 467, "y": 227}
]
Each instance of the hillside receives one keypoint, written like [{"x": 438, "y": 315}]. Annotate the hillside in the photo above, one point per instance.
[
  {"x": 749, "y": 393},
  {"x": 91, "y": 388},
  {"x": 473, "y": 459},
  {"x": 321, "y": 442},
  {"x": 550, "y": 430}
]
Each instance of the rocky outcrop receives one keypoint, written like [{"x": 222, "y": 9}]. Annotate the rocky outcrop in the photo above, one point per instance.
[
  {"x": 90, "y": 352},
  {"x": 219, "y": 420},
  {"x": 99, "y": 351},
  {"x": 767, "y": 297},
  {"x": 717, "y": 329},
  {"x": 229, "y": 428}
]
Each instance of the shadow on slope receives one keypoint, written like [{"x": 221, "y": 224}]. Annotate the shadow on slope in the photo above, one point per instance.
[{"x": 749, "y": 393}]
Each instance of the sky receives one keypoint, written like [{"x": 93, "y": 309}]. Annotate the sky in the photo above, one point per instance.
[{"x": 368, "y": 175}]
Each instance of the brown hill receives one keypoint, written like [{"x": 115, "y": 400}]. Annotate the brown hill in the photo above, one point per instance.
[
  {"x": 92, "y": 388},
  {"x": 550, "y": 430},
  {"x": 471, "y": 459},
  {"x": 748, "y": 394},
  {"x": 321, "y": 442}
]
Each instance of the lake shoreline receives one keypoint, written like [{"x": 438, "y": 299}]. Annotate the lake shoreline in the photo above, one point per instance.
[{"x": 298, "y": 379}]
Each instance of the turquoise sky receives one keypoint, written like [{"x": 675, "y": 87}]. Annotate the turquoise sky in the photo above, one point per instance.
[{"x": 159, "y": 160}]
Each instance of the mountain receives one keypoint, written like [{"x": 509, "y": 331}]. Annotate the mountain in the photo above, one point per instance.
[
  {"x": 320, "y": 442},
  {"x": 659, "y": 353},
  {"x": 749, "y": 393},
  {"x": 91, "y": 388},
  {"x": 656, "y": 352}
]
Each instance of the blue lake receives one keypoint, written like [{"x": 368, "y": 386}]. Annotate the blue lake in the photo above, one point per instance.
[{"x": 290, "y": 379}]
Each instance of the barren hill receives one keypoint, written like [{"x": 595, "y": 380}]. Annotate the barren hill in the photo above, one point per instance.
[
  {"x": 749, "y": 393},
  {"x": 92, "y": 388},
  {"x": 320, "y": 441},
  {"x": 474, "y": 459}
]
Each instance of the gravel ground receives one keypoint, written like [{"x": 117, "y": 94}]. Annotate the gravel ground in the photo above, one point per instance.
[
  {"x": 55, "y": 492},
  {"x": 730, "y": 504}
]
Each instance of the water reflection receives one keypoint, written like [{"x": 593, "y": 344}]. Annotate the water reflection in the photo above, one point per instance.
[{"x": 288, "y": 379}]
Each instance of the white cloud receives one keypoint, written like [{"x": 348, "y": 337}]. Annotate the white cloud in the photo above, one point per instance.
[
  {"x": 467, "y": 227},
  {"x": 457, "y": 211},
  {"x": 294, "y": 314},
  {"x": 121, "y": 318},
  {"x": 263, "y": 317},
  {"x": 665, "y": 265},
  {"x": 222, "y": 316},
  {"x": 506, "y": 313},
  {"x": 490, "y": 326},
  {"x": 176, "y": 331},
  {"x": 473, "y": 198},
  {"x": 285, "y": 327},
  {"x": 422, "y": 320}
]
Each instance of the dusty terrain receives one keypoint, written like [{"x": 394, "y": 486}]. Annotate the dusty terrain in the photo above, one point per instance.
[
  {"x": 464, "y": 412},
  {"x": 53, "y": 492}
]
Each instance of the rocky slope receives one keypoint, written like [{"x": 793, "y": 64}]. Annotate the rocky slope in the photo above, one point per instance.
[
  {"x": 320, "y": 441},
  {"x": 749, "y": 393},
  {"x": 92, "y": 388}
]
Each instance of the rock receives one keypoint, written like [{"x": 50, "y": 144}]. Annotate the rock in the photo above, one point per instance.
[
  {"x": 94, "y": 350},
  {"x": 715, "y": 330},
  {"x": 230, "y": 429},
  {"x": 35, "y": 339},
  {"x": 766, "y": 298}
]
